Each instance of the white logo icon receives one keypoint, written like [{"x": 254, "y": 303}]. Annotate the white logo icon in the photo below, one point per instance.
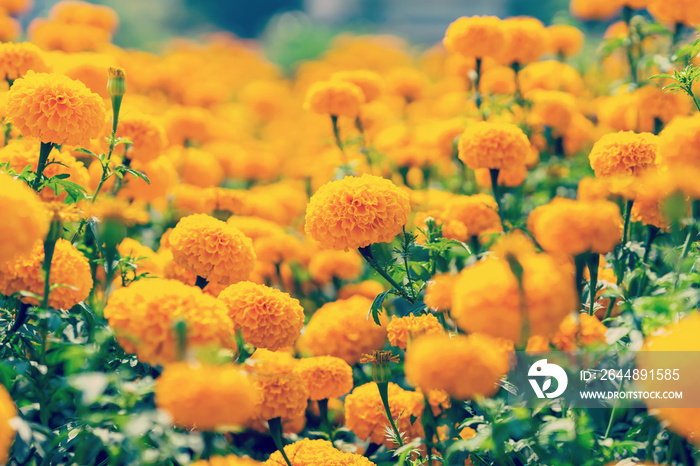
[{"x": 542, "y": 368}]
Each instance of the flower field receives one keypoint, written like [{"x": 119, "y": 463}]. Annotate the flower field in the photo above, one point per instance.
[{"x": 207, "y": 259}]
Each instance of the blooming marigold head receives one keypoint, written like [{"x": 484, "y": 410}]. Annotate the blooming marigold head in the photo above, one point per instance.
[
  {"x": 143, "y": 316},
  {"x": 16, "y": 59},
  {"x": 326, "y": 376},
  {"x": 675, "y": 11},
  {"x": 475, "y": 36},
  {"x": 307, "y": 452},
  {"x": 565, "y": 40},
  {"x": 78, "y": 12},
  {"x": 593, "y": 9},
  {"x": 679, "y": 142},
  {"x": 579, "y": 331},
  {"x": 401, "y": 331},
  {"x": 367, "y": 80},
  {"x": 204, "y": 397},
  {"x": 329, "y": 263},
  {"x": 525, "y": 40},
  {"x": 8, "y": 411},
  {"x": 478, "y": 213},
  {"x": 146, "y": 134},
  {"x": 623, "y": 153},
  {"x": 228, "y": 460},
  {"x": 54, "y": 109},
  {"x": 336, "y": 98},
  {"x": 212, "y": 249},
  {"x": 283, "y": 393},
  {"x": 438, "y": 293},
  {"x": 21, "y": 211},
  {"x": 493, "y": 145},
  {"x": 69, "y": 267},
  {"x": 356, "y": 211},
  {"x": 268, "y": 318},
  {"x": 466, "y": 367}
]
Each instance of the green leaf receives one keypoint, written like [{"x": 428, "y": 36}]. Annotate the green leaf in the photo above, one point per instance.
[{"x": 376, "y": 309}]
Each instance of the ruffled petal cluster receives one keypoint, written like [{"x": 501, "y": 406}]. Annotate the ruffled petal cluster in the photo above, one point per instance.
[
  {"x": 24, "y": 221},
  {"x": 401, "y": 331},
  {"x": 493, "y": 145},
  {"x": 326, "y": 376},
  {"x": 624, "y": 153}
]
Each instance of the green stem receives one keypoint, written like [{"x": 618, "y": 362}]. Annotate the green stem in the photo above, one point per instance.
[
  {"x": 608, "y": 313},
  {"x": 627, "y": 17},
  {"x": 367, "y": 254},
  {"x": 276, "y": 432},
  {"x": 384, "y": 394},
  {"x": 44, "y": 152},
  {"x": 580, "y": 264},
  {"x": 209, "y": 449},
  {"x": 477, "y": 84},
  {"x": 497, "y": 194},
  {"x": 626, "y": 229},
  {"x": 49, "y": 248},
  {"x": 593, "y": 263},
  {"x": 652, "y": 231},
  {"x": 323, "y": 413},
  {"x": 475, "y": 244},
  {"x": 338, "y": 141},
  {"x": 692, "y": 230},
  {"x": 518, "y": 92}
]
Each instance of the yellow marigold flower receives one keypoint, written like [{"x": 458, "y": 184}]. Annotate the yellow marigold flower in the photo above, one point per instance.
[
  {"x": 402, "y": 331},
  {"x": 143, "y": 316},
  {"x": 212, "y": 249},
  {"x": 277, "y": 248},
  {"x": 267, "y": 317},
  {"x": 593, "y": 9},
  {"x": 54, "y": 108},
  {"x": 283, "y": 393},
  {"x": 194, "y": 199},
  {"x": 679, "y": 142},
  {"x": 553, "y": 108},
  {"x": 200, "y": 168},
  {"x": 308, "y": 452},
  {"x": 551, "y": 75},
  {"x": 69, "y": 267},
  {"x": 656, "y": 105},
  {"x": 228, "y": 460},
  {"x": 367, "y": 80},
  {"x": 326, "y": 376},
  {"x": 478, "y": 213},
  {"x": 341, "y": 329},
  {"x": 565, "y": 40},
  {"x": 147, "y": 136},
  {"x": 16, "y": 6},
  {"x": 487, "y": 297},
  {"x": 21, "y": 211},
  {"x": 162, "y": 178},
  {"x": 466, "y": 367},
  {"x": 335, "y": 98},
  {"x": 593, "y": 189},
  {"x": 329, "y": 263},
  {"x": 407, "y": 83},
  {"x": 255, "y": 227},
  {"x": 579, "y": 135},
  {"x": 574, "y": 227},
  {"x": 526, "y": 40},
  {"x": 623, "y": 153},
  {"x": 267, "y": 99},
  {"x": 493, "y": 145},
  {"x": 368, "y": 288},
  {"x": 675, "y": 11},
  {"x": 8, "y": 410},
  {"x": 365, "y": 417},
  {"x": 185, "y": 125},
  {"x": 583, "y": 330},
  {"x": 10, "y": 28},
  {"x": 475, "y": 36},
  {"x": 78, "y": 12},
  {"x": 438, "y": 293},
  {"x": 356, "y": 211},
  {"x": 206, "y": 397},
  {"x": 17, "y": 59},
  {"x": 498, "y": 80}
]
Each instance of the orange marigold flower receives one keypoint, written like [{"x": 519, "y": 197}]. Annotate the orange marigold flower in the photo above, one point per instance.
[
  {"x": 16, "y": 6},
  {"x": 143, "y": 317},
  {"x": 162, "y": 178},
  {"x": 356, "y": 211},
  {"x": 487, "y": 297},
  {"x": 283, "y": 393},
  {"x": 200, "y": 168},
  {"x": 466, "y": 367},
  {"x": 145, "y": 258},
  {"x": 365, "y": 417},
  {"x": 593, "y": 9},
  {"x": 17, "y": 59},
  {"x": 475, "y": 36},
  {"x": 623, "y": 153},
  {"x": 54, "y": 108},
  {"x": 679, "y": 142},
  {"x": 650, "y": 211},
  {"x": 407, "y": 83},
  {"x": 69, "y": 267},
  {"x": 8, "y": 411},
  {"x": 147, "y": 136},
  {"x": 78, "y": 12},
  {"x": 565, "y": 40},
  {"x": 574, "y": 227},
  {"x": 493, "y": 145},
  {"x": 326, "y": 376},
  {"x": 194, "y": 199},
  {"x": 402, "y": 331},
  {"x": 498, "y": 80},
  {"x": 212, "y": 249},
  {"x": 438, "y": 293},
  {"x": 277, "y": 248},
  {"x": 329, "y": 263},
  {"x": 675, "y": 11},
  {"x": 10, "y": 28},
  {"x": 368, "y": 288},
  {"x": 267, "y": 317},
  {"x": 526, "y": 40},
  {"x": 369, "y": 81},
  {"x": 204, "y": 397},
  {"x": 341, "y": 329},
  {"x": 255, "y": 227},
  {"x": 335, "y": 98},
  {"x": 654, "y": 106},
  {"x": 23, "y": 219},
  {"x": 554, "y": 109},
  {"x": 228, "y": 460},
  {"x": 478, "y": 213},
  {"x": 579, "y": 331},
  {"x": 551, "y": 75},
  {"x": 308, "y": 452}
]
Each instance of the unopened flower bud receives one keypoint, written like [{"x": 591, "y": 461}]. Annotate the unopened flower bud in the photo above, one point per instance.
[{"x": 116, "y": 83}]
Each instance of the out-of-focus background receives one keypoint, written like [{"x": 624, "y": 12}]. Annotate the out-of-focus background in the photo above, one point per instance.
[{"x": 291, "y": 30}]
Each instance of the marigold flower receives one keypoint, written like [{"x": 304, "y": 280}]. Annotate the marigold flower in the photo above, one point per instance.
[
  {"x": 406, "y": 329},
  {"x": 679, "y": 142},
  {"x": 623, "y": 153},
  {"x": 466, "y": 367},
  {"x": 407, "y": 83},
  {"x": 162, "y": 178},
  {"x": 526, "y": 40},
  {"x": 581, "y": 330},
  {"x": 550, "y": 75},
  {"x": 21, "y": 211},
  {"x": 367, "y": 80},
  {"x": 329, "y": 263},
  {"x": 498, "y": 80},
  {"x": 367, "y": 288},
  {"x": 493, "y": 145},
  {"x": 206, "y": 397},
  {"x": 8, "y": 410},
  {"x": 69, "y": 267},
  {"x": 555, "y": 109},
  {"x": 283, "y": 393},
  {"x": 326, "y": 376},
  {"x": 675, "y": 11},
  {"x": 145, "y": 258},
  {"x": 194, "y": 199},
  {"x": 438, "y": 293},
  {"x": 365, "y": 417},
  {"x": 335, "y": 98},
  {"x": 267, "y": 317},
  {"x": 200, "y": 168},
  {"x": 147, "y": 136},
  {"x": 277, "y": 248},
  {"x": 54, "y": 109},
  {"x": 341, "y": 329},
  {"x": 212, "y": 249},
  {"x": 574, "y": 227},
  {"x": 593, "y": 9},
  {"x": 16, "y": 6},
  {"x": 143, "y": 316},
  {"x": 306, "y": 452},
  {"x": 10, "y": 28},
  {"x": 475, "y": 36},
  {"x": 565, "y": 40},
  {"x": 228, "y": 460},
  {"x": 255, "y": 227},
  {"x": 356, "y": 211},
  {"x": 17, "y": 59},
  {"x": 487, "y": 297},
  {"x": 656, "y": 106},
  {"x": 78, "y": 12},
  {"x": 478, "y": 213}
]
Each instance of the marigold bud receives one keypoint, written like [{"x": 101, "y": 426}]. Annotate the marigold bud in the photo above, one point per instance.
[{"x": 116, "y": 83}]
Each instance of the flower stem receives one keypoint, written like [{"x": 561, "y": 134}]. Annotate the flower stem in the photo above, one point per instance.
[
  {"x": 367, "y": 254},
  {"x": 44, "y": 152},
  {"x": 580, "y": 264},
  {"x": 276, "y": 432},
  {"x": 626, "y": 229},
  {"x": 323, "y": 413},
  {"x": 477, "y": 84},
  {"x": 652, "y": 231},
  {"x": 497, "y": 194},
  {"x": 49, "y": 248},
  {"x": 593, "y": 263},
  {"x": 384, "y": 394}
]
